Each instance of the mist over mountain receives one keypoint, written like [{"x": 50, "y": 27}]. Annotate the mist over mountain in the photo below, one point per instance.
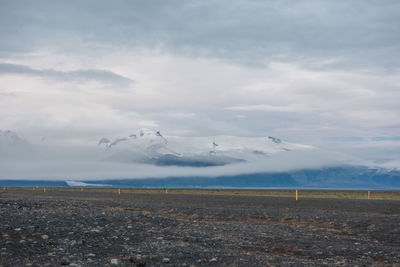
[
  {"x": 152, "y": 147},
  {"x": 150, "y": 158}
]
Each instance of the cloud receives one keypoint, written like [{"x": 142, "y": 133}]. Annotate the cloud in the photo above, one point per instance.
[
  {"x": 74, "y": 76},
  {"x": 268, "y": 108},
  {"x": 313, "y": 33},
  {"x": 83, "y": 163}
]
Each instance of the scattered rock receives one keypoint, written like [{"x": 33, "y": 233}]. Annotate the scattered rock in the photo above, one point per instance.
[
  {"x": 65, "y": 261},
  {"x": 114, "y": 262},
  {"x": 213, "y": 259},
  {"x": 141, "y": 264}
]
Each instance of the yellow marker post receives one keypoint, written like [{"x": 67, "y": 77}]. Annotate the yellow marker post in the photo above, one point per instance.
[
  {"x": 369, "y": 194},
  {"x": 44, "y": 190},
  {"x": 81, "y": 189},
  {"x": 297, "y": 194},
  {"x": 4, "y": 188},
  {"x": 119, "y": 191},
  {"x": 166, "y": 191}
]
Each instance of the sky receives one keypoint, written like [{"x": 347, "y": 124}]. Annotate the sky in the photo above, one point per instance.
[{"x": 322, "y": 73}]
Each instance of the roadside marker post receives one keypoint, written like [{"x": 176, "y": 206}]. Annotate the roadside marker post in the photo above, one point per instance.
[
  {"x": 4, "y": 188},
  {"x": 81, "y": 189},
  {"x": 119, "y": 191},
  {"x": 44, "y": 190},
  {"x": 297, "y": 195},
  {"x": 369, "y": 194}
]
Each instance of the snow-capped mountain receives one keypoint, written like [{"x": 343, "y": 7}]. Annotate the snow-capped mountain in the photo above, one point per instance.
[
  {"x": 153, "y": 147},
  {"x": 10, "y": 138},
  {"x": 11, "y": 144}
]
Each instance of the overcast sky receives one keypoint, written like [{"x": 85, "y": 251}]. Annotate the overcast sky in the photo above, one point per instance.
[{"x": 325, "y": 73}]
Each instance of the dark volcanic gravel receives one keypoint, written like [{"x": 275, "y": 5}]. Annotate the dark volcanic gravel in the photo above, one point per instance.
[{"x": 103, "y": 229}]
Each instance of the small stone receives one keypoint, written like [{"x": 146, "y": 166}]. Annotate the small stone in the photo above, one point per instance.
[
  {"x": 91, "y": 255},
  {"x": 65, "y": 261},
  {"x": 17, "y": 229},
  {"x": 165, "y": 260},
  {"x": 45, "y": 237},
  {"x": 213, "y": 260},
  {"x": 114, "y": 262}
]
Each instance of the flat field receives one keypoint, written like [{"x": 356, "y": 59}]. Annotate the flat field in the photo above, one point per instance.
[{"x": 176, "y": 227}]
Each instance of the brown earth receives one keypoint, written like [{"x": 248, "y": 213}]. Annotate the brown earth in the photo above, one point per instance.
[{"x": 104, "y": 229}]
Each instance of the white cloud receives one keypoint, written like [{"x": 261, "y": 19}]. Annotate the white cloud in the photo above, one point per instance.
[
  {"x": 77, "y": 165},
  {"x": 292, "y": 108}
]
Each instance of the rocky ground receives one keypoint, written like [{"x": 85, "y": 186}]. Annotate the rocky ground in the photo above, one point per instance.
[{"x": 104, "y": 229}]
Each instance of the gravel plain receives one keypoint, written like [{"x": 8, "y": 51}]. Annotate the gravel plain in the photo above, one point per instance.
[{"x": 65, "y": 228}]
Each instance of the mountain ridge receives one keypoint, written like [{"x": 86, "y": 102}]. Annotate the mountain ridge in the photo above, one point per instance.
[{"x": 152, "y": 147}]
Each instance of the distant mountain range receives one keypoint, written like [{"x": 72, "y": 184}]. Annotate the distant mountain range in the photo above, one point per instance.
[
  {"x": 337, "y": 177},
  {"x": 152, "y": 148}
]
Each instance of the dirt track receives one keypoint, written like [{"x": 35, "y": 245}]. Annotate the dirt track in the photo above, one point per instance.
[{"x": 104, "y": 229}]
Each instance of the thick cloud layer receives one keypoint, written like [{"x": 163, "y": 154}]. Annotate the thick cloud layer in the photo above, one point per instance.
[
  {"x": 340, "y": 33},
  {"x": 77, "y": 76},
  {"x": 324, "y": 73}
]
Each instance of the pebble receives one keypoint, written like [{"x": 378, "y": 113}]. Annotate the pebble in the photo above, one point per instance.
[
  {"x": 166, "y": 260},
  {"x": 65, "y": 261},
  {"x": 45, "y": 237},
  {"x": 114, "y": 262},
  {"x": 213, "y": 260}
]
